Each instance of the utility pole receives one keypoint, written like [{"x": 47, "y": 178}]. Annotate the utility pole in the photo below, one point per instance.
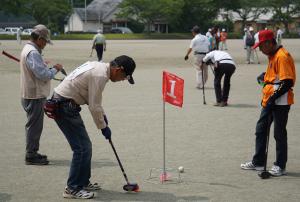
[{"x": 85, "y": 10}]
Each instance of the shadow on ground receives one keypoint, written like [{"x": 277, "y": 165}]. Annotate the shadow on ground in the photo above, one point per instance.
[
  {"x": 243, "y": 106},
  {"x": 106, "y": 195},
  {"x": 95, "y": 164},
  {"x": 5, "y": 197}
]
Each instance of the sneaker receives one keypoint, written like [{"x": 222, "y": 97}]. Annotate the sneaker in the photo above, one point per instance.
[
  {"x": 36, "y": 159},
  {"x": 251, "y": 166},
  {"x": 223, "y": 104},
  {"x": 277, "y": 171},
  {"x": 217, "y": 104},
  {"x": 92, "y": 187},
  {"x": 81, "y": 194}
]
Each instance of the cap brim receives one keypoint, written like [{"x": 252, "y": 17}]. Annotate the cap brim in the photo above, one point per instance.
[
  {"x": 256, "y": 45},
  {"x": 130, "y": 80}
]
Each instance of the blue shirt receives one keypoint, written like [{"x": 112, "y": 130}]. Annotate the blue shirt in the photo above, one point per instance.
[{"x": 36, "y": 64}]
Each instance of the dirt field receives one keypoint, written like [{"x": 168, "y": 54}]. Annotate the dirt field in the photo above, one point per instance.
[{"x": 210, "y": 142}]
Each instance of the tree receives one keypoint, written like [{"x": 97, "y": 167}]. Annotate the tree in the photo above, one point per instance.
[
  {"x": 149, "y": 11},
  {"x": 197, "y": 12},
  {"x": 248, "y": 10},
  {"x": 50, "y": 13},
  {"x": 284, "y": 11}
]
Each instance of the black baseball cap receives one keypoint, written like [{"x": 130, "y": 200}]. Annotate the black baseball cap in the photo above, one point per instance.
[{"x": 128, "y": 65}]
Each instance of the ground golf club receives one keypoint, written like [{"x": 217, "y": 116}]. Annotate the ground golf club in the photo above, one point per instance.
[
  {"x": 264, "y": 174},
  {"x": 129, "y": 186}
]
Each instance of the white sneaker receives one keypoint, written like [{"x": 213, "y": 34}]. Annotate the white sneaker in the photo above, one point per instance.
[
  {"x": 92, "y": 187},
  {"x": 250, "y": 166},
  {"x": 277, "y": 171},
  {"x": 81, "y": 194}
]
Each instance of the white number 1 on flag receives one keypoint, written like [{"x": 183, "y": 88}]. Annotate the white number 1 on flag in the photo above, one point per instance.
[{"x": 171, "y": 94}]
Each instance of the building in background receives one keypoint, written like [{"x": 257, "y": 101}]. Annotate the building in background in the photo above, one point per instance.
[{"x": 99, "y": 14}]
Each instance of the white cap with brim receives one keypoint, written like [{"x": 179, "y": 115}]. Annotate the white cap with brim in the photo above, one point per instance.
[{"x": 43, "y": 32}]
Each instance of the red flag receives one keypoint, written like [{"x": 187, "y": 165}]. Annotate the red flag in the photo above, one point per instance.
[{"x": 172, "y": 89}]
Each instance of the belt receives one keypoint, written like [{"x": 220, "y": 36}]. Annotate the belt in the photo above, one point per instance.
[
  {"x": 199, "y": 53},
  {"x": 63, "y": 99}
]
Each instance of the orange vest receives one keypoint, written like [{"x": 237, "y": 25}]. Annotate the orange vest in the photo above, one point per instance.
[
  {"x": 281, "y": 66},
  {"x": 223, "y": 36}
]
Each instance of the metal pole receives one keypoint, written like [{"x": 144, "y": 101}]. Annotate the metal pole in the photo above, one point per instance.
[
  {"x": 85, "y": 11},
  {"x": 164, "y": 141}
]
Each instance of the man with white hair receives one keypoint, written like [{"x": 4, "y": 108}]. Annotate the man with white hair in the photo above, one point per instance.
[
  {"x": 99, "y": 44},
  {"x": 35, "y": 87}
]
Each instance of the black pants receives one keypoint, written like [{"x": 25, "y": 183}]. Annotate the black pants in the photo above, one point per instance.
[
  {"x": 99, "y": 49},
  {"x": 278, "y": 115},
  {"x": 227, "y": 70}
]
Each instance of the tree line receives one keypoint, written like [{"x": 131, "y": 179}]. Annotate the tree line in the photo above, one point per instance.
[{"x": 181, "y": 15}]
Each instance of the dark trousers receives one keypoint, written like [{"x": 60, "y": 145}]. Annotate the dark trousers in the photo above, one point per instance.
[
  {"x": 99, "y": 49},
  {"x": 279, "y": 115},
  {"x": 227, "y": 70},
  {"x": 34, "y": 125},
  {"x": 72, "y": 126}
]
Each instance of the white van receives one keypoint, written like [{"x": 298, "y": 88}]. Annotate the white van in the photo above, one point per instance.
[
  {"x": 27, "y": 31},
  {"x": 11, "y": 30}
]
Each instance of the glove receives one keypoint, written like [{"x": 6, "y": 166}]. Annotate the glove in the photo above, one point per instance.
[
  {"x": 186, "y": 57},
  {"x": 105, "y": 119},
  {"x": 260, "y": 79},
  {"x": 106, "y": 132},
  {"x": 270, "y": 103}
]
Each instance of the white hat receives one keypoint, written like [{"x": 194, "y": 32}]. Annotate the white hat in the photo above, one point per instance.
[
  {"x": 251, "y": 29},
  {"x": 223, "y": 30}
]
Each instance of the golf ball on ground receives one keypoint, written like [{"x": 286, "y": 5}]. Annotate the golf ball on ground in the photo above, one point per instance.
[{"x": 181, "y": 169}]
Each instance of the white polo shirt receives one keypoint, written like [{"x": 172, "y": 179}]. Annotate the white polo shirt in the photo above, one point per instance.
[
  {"x": 200, "y": 43},
  {"x": 218, "y": 56}
]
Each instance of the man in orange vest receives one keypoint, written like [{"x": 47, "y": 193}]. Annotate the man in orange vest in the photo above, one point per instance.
[{"x": 277, "y": 98}]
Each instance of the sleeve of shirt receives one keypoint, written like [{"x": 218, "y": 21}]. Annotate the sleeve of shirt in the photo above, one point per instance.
[
  {"x": 96, "y": 87},
  {"x": 192, "y": 44},
  {"x": 36, "y": 64},
  {"x": 286, "y": 68},
  {"x": 208, "y": 56}
]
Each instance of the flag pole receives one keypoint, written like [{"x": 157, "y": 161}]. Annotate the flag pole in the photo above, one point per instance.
[{"x": 164, "y": 142}]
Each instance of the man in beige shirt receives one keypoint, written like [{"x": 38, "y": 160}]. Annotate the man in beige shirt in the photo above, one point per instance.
[
  {"x": 35, "y": 87},
  {"x": 85, "y": 86}
]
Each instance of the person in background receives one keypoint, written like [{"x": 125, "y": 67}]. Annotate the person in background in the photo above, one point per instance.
[
  {"x": 224, "y": 65},
  {"x": 223, "y": 39},
  {"x": 99, "y": 43},
  {"x": 200, "y": 46},
  {"x": 279, "y": 33},
  {"x": 277, "y": 98},
  {"x": 249, "y": 42},
  {"x": 19, "y": 32},
  {"x": 35, "y": 87}
]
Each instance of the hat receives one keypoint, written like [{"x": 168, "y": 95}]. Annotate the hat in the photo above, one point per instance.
[
  {"x": 99, "y": 31},
  {"x": 263, "y": 36},
  {"x": 128, "y": 65},
  {"x": 251, "y": 29},
  {"x": 196, "y": 29},
  {"x": 43, "y": 32},
  {"x": 223, "y": 30}
]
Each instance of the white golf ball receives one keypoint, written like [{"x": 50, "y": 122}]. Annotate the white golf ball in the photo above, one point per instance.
[{"x": 181, "y": 169}]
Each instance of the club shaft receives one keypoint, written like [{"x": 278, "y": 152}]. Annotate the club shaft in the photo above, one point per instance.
[
  {"x": 267, "y": 140},
  {"x": 203, "y": 90},
  {"x": 118, "y": 159},
  {"x": 10, "y": 56}
]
